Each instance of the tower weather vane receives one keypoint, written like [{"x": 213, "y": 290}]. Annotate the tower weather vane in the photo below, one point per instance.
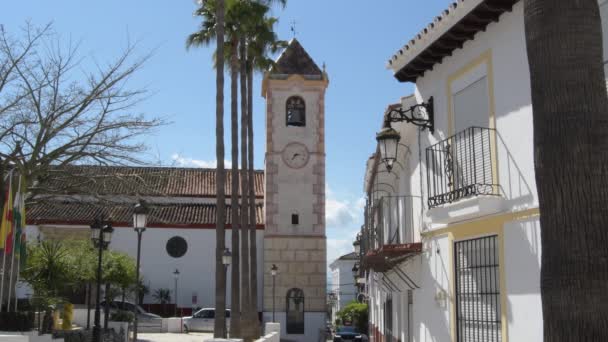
[{"x": 293, "y": 28}]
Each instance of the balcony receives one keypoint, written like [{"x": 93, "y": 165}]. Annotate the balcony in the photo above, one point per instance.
[
  {"x": 462, "y": 166},
  {"x": 388, "y": 233}
]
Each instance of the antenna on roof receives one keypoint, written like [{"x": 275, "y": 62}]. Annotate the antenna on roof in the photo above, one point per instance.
[{"x": 293, "y": 28}]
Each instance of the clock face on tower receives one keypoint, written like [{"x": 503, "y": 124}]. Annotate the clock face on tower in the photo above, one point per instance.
[{"x": 295, "y": 155}]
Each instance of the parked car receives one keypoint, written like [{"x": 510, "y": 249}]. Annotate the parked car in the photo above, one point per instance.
[
  {"x": 203, "y": 320},
  {"x": 349, "y": 333},
  {"x": 142, "y": 315}
]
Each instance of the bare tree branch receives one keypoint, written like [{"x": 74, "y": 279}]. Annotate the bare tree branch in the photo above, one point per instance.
[{"x": 61, "y": 112}]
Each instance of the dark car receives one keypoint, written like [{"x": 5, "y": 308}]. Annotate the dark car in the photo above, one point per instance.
[
  {"x": 348, "y": 333},
  {"x": 142, "y": 315}
]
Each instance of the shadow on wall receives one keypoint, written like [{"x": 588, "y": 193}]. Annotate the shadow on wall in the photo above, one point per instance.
[
  {"x": 434, "y": 319},
  {"x": 513, "y": 185},
  {"x": 524, "y": 259}
]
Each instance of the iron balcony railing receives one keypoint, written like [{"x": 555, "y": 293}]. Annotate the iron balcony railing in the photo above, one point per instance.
[
  {"x": 388, "y": 221},
  {"x": 461, "y": 166}
]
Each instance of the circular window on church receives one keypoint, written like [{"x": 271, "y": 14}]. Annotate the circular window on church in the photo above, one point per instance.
[{"x": 177, "y": 246}]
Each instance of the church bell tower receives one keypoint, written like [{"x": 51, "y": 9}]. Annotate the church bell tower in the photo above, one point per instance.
[{"x": 294, "y": 203}]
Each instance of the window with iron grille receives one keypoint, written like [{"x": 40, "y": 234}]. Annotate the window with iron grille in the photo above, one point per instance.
[{"x": 477, "y": 290}]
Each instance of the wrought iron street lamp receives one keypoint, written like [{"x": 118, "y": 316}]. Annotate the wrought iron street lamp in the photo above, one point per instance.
[
  {"x": 101, "y": 235},
  {"x": 226, "y": 260},
  {"x": 421, "y": 115},
  {"x": 357, "y": 244},
  {"x": 227, "y": 257},
  {"x": 140, "y": 219},
  {"x": 176, "y": 276},
  {"x": 273, "y": 271},
  {"x": 356, "y": 276}
]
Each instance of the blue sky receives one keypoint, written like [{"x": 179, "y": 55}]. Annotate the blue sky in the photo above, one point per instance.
[{"x": 354, "y": 38}]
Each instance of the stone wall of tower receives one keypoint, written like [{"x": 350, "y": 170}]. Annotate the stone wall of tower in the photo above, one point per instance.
[
  {"x": 291, "y": 190},
  {"x": 301, "y": 264},
  {"x": 298, "y": 250}
]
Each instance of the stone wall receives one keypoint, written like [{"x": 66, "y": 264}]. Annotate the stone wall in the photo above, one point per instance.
[{"x": 301, "y": 264}]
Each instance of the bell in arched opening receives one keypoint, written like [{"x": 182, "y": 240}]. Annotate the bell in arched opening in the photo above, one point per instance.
[{"x": 295, "y": 112}]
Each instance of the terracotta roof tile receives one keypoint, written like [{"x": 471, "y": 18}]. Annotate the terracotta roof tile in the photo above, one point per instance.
[
  {"x": 166, "y": 214},
  {"x": 295, "y": 60},
  {"x": 140, "y": 181}
]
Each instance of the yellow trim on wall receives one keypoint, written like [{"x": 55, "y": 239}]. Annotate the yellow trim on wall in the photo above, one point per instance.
[
  {"x": 465, "y": 227},
  {"x": 486, "y": 226},
  {"x": 484, "y": 58}
]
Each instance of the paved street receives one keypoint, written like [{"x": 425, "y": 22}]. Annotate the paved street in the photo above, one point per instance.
[{"x": 169, "y": 337}]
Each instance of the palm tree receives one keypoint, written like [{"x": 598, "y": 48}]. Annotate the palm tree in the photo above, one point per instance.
[
  {"x": 564, "y": 45},
  {"x": 219, "y": 329},
  {"x": 246, "y": 21},
  {"x": 254, "y": 12},
  {"x": 261, "y": 41},
  {"x": 245, "y": 296},
  {"x": 162, "y": 297},
  {"x": 212, "y": 27}
]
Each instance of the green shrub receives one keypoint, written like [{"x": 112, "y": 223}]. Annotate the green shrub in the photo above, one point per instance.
[
  {"x": 356, "y": 313},
  {"x": 16, "y": 321},
  {"x": 122, "y": 316}
]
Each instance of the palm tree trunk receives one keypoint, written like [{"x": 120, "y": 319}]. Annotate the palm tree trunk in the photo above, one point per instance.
[
  {"x": 253, "y": 283},
  {"x": 235, "y": 298},
  {"x": 246, "y": 305},
  {"x": 564, "y": 45},
  {"x": 219, "y": 329}
]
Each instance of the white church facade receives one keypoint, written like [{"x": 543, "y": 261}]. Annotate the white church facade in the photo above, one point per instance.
[{"x": 181, "y": 234}]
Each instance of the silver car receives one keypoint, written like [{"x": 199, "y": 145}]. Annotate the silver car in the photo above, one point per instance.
[{"x": 203, "y": 320}]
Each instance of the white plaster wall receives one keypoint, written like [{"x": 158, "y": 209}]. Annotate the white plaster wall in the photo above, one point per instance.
[
  {"x": 431, "y": 320},
  {"x": 283, "y": 134},
  {"x": 347, "y": 287},
  {"x": 313, "y": 322},
  {"x": 295, "y": 186},
  {"x": 197, "y": 266},
  {"x": 506, "y": 41},
  {"x": 522, "y": 269},
  {"x": 335, "y": 288},
  {"x": 511, "y": 86},
  {"x": 342, "y": 284}
]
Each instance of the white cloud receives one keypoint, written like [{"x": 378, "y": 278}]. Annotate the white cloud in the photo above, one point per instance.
[
  {"x": 337, "y": 248},
  {"x": 190, "y": 162},
  {"x": 342, "y": 213}
]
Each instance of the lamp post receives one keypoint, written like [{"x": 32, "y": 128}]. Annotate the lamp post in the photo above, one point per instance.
[
  {"x": 140, "y": 218},
  {"x": 273, "y": 271},
  {"x": 355, "y": 270},
  {"x": 357, "y": 244},
  {"x": 421, "y": 115},
  {"x": 226, "y": 260},
  {"x": 176, "y": 276},
  {"x": 101, "y": 235}
]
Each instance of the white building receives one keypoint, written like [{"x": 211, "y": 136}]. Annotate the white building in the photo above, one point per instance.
[
  {"x": 452, "y": 235},
  {"x": 290, "y": 215},
  {"x": 342, "y": 286}
]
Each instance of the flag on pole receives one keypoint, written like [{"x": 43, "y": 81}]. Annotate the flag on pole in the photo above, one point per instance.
[
  {"x": 23, "y": 242},
  {"x": 10, "y": 239},
  {"x": 18, "y": 214},
  {"x": 6, "y": 236}
]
